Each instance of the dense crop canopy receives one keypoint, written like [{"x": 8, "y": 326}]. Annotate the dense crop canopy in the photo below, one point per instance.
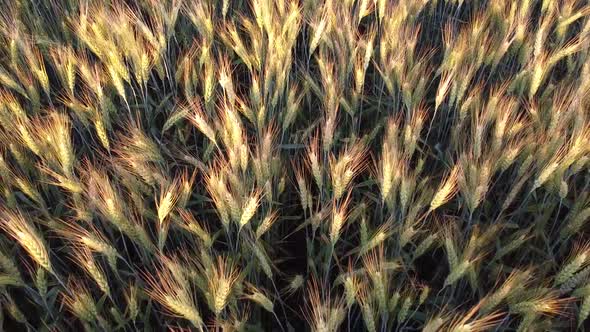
[{"x": 287, "y": 165}]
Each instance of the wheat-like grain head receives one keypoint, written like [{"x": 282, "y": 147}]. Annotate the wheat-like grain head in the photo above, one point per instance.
[{"x": 21, "y": 230}]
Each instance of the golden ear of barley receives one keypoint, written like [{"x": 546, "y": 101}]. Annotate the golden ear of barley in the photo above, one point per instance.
[
  {"x": 350, "y": 290},
  {"x": 85, "y": 259},
  {"x": 515, "y": 242},
  {"x": 545, "y": 174},
  {"x": 404, "y": 309},
  {"x": 249, "y": 209},
  {"x": 339, "y": 217},
  {"x": 80, "y": 302},
  {"x": 175, "y": 117},
  {"x": 101, "y": 132},
  {"x": 33, "y": 96},
  {"x": 443, "y": 89},
  {"x": 380, "y": 291},
  {"x": 451, "y": 251},
  {"x": 170, "y": 288},
  {"x": 43, "y": 80},
  {"x": 21, "y": 158},
  {"x": 303, "y": 189},
  {"x": 244, "y": 157},
  {"x": 393, "y": 301},
  {"x": 369, "y": 317},
  {"x": 7, "y": 80},
  {"x": 405, "y": 191},
  {"x": 168, "y": 199},
  {"x": 295, "y": 284},
  {"x": 28, "y": 139},
  {"x": 193, "y": 226},
  {"x": 580, "y": 259},
  {"x": 537, "y": 77},
  {"x": 434, "y": 324},
  {"x": 328, "y": 132},
  {"x": 266, "y": 224},
  {"x": 71, "y": 76},
  {"x": 26, "y": 187},
  {"x": 197, "y": 118},
  {"x": 260, "y": 299},
  {"x": 470, "y": 322},
  {"x": 458, "y": 272},
  {"x": 336, "y": 317},
  {"x": 386, "y": 177},
  {"x": 344, "y": 168},
  {"x": 406, "y": 235},
  {"x": 188, "y": 312},
  {"x": 446, "y": 190},
  {"x": 516, "y": 279},
  {"x": 314, "y": 161},
  {"x": 425, "y": 245},
  {"x": 541, "y": 304},
  {"x": 132, "y": 306},
  {"x": 294, "y": 99},
  {"x": 377, "y": 239},
  {"x": 317, "y": 34},
  {"x": 145, "y": 64},
  {"x": 117, "y": 83},
  {"x": 138, "y": 233},
  {"x": 102, "y": 247},
  {"x": 575, "y": 281},
  {"x": 27, "y": 236},
  {"x": 575, "y": 223},
  {"x": 221, "y": 285},
  {"x": 71, "y": 185},
  {"x": 11, "y": 103},
  {"x": 508, "y": 157},
  {"x": 263, "y": 259},
  {"x": 58, "y": 129}
]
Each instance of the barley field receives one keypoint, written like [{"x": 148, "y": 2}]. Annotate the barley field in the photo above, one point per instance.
[{"x": 295, "y": 165}]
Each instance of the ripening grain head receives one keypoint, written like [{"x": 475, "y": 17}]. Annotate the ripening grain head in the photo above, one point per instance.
[
  {"x": 169, "y": 288},
  {"x": 20, "y": 228}
]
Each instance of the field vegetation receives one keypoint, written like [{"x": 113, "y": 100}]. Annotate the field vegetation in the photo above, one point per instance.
[{"x": 294, "y": 165}]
